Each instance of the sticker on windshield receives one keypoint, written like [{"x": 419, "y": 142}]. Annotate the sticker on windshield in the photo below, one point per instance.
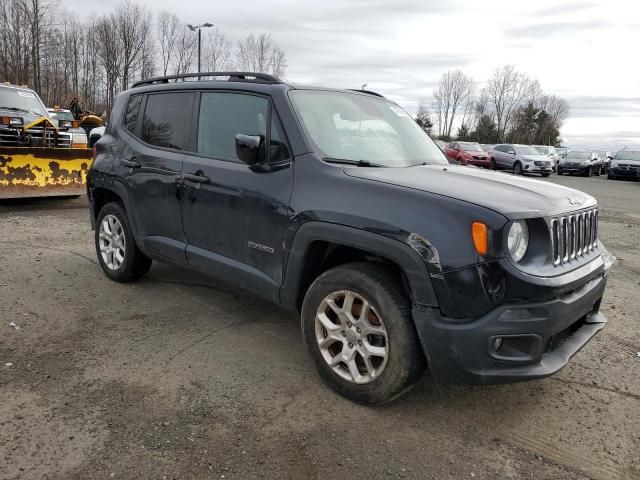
[
  {"x": 26, "y": 94},
  {"x": 398, "y": 111}
]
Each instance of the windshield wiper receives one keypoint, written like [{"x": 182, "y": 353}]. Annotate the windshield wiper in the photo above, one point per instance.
[{"x": 357, "y": 163}]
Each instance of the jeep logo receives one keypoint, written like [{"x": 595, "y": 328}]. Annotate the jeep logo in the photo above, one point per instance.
[{"x": 574, "y": 201}]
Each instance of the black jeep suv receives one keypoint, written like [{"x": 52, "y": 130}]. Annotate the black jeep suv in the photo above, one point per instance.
[{"x": 335, "y": 204}]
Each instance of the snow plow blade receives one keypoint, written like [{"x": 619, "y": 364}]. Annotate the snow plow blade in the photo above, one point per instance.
[{"x": 43, "y": 172}]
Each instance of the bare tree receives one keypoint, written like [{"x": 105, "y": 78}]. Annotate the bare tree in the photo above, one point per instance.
[
  {"x": 186, "y": 50},
  {"x": 261, "y": 54},
  {"x": 453, "y": 93},
  {"x": 217, "y": 52},
  {"x": 132, "y": 22},
  {"x": 167, "y": 27},
  {"x": 508, "y": 90},
  {"x": 109, "y": 54}
]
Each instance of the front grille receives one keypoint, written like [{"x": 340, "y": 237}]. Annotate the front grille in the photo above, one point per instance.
[
  {"x": 479, "y": 157},
  {"x": 627, "y": 166},
  {"x": 540, "y": 163},
  {"x": 574, "y": 236},
  {"x": 33, "y": 138}
]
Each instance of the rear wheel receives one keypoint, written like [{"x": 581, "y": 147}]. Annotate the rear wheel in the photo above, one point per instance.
[
  {"x": 517, "y": 168},
  {"x": 119, "y": 256},
  {"x": 357, "y": 325}
]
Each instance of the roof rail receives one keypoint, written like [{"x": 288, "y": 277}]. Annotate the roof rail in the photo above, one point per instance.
[
  {"x": 370, "y": 92},
  {"x": 232, "y": 77}
]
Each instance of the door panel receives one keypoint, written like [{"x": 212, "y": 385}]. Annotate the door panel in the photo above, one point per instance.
[
  {"x": 235, "y": 221},
  {"x": 153, "y": 165}
]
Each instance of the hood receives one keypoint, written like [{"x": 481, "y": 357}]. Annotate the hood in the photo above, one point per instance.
[
  {"x": 475, "y": 152},
  {"x": 535, "y": 157},
  {"x": 27, "y": 117},
  {"x": 512, "y": 196}
]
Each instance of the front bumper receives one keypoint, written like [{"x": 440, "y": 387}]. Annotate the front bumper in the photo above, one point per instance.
[
  {"x": 538, "y": 338},
  {"x": 582, "y": 170},
  {"x": 624, "y": 173},
  {"x": 531, "y": 168}
]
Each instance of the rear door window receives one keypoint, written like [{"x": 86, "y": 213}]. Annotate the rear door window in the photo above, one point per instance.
[
  {"x": 167, "y": 120},
  {"x": 131, "y": 115}
]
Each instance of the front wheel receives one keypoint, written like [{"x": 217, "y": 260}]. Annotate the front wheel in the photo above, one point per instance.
[
  {"x": 119, "y": 256},
  {"x": 517, "y": 168},
  {"x": 546, "y": 174},
  {"x": 492, "y": 164},
  {"x": 357, "y": 325}
]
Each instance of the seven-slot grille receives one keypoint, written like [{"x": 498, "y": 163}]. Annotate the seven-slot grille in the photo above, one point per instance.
[{"x": 573, "y": 236}]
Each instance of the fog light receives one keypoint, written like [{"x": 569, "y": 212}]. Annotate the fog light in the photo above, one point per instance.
[{"x": 497, "y": 343}]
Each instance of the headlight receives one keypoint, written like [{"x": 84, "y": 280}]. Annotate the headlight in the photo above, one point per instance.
[
  {"x": 614, "y": 164},
  {"x": 586, "y": 162},
  {"x": 78, "y": 140},
  {"x": 11, "y": 121},
  {"x": 518, "y": 239},
  {"x": 66, "y": 123}
]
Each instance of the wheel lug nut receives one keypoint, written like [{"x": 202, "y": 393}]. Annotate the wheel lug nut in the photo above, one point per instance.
[
  {"x": 358, "y": 330},
  {"x": 344, "y": 334},
  {"x": 360, "y": 342},
  {"x": 350, "y": 345},
  {"x": 349, "y": 324}
]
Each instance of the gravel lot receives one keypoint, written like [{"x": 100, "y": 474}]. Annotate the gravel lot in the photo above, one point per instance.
[{"x": 178, "y": 376}]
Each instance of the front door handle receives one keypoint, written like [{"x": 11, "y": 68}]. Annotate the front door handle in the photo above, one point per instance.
[
  {"x": 131, "y": 162},
  {"x": 198, "y": 177}
]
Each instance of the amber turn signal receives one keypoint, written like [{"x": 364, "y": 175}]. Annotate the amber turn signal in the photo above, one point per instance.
[{"x": 480, "y": 237}]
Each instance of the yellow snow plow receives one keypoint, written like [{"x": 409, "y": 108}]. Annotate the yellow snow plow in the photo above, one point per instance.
[{"x": 39, "y": 159}]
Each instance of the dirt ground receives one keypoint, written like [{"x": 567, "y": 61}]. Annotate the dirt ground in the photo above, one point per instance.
[{"x": 180, "y": 377}]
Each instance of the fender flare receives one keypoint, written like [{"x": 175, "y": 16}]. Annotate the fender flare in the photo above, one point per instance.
[{"x": 410, "y": 262}]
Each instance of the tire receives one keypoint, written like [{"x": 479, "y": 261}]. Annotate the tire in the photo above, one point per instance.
[
  {"x": 133, "y": 264},
  {"x": 517, "y": 168},
  {"x": 560, "y": 172},
  {"x": 404, "y": 361},
  {"x": 546, "y": 174},
  {"x": 588, "y": 172},
  {"x": 492, "y": 164}
]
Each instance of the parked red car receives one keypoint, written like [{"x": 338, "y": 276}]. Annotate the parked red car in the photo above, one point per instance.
[{"x": 468, "y": 153}]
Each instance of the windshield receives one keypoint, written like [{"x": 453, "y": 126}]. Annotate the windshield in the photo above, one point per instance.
[
  {"x": 628, "y": 155},
  {"x": 355, "y": 127},
  {"x": 23, "y": 100},
  {"x": 525, "y": 150},
  {"x": 470, "y": 146},
  {"x": 579, "y": 155},
  {"x": 543, "y": 150},
  {"x": 62, "y": 116}
]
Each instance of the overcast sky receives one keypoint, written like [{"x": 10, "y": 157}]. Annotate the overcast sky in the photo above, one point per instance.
[{"x": 585, "y": 51}]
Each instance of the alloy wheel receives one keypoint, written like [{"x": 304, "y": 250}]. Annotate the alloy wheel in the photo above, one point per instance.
[
  {"x": 112, "y": 242},
  {"x": 351, "y": 336}
]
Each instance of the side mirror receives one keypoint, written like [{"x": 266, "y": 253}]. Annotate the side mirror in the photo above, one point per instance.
[
  {"x": 511, "y": 152},
  {"x": 248, "y": 148}
]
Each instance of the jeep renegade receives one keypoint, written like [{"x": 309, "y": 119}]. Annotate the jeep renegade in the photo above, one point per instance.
[{"x": 336, "y": 204}]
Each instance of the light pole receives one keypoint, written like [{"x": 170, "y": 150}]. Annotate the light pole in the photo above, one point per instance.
[
  {"x": 199, "y": 28},
  {"x": 364, "y": 85}
]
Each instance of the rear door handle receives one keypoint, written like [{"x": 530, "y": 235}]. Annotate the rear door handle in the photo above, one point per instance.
[
  {"x": 198, "y": 177},
  {"x": 132, "y": 162}
]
